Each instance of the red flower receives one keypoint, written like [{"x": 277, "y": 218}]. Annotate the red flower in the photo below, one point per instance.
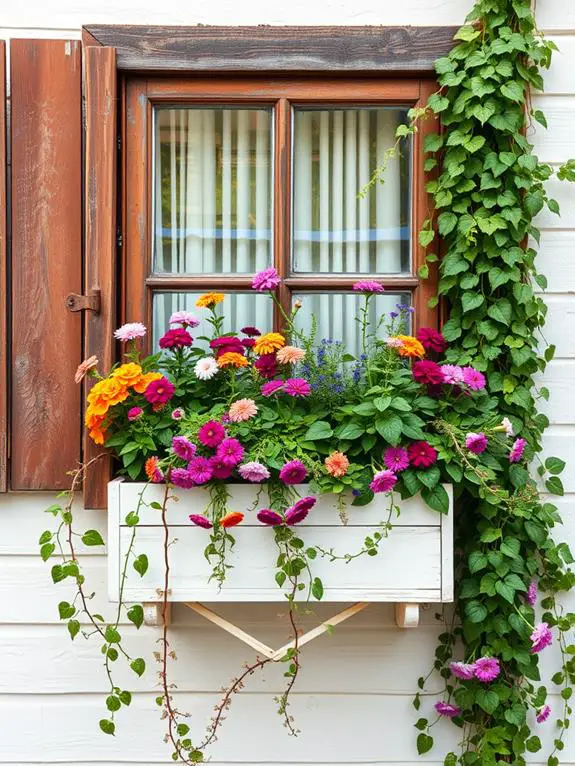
[
  {"x": 226, "y": 344},
  {"x": 266, "y": 365},
  {"x": 421, "y": 454},
  {"x": 431, "y": 340},
  {"x": 231, "y": 519},
  {"x": 427, "y": 372},
  {"x": 159, "y": 391},
  {"x": 176, "y": 338}
]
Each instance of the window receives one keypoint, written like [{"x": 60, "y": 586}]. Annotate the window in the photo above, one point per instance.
[{"x": 225, "y": 177}]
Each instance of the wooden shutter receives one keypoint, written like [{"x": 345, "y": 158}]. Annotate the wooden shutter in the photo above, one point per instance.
[
  {"x": 3, "y": 281},
  {"x": 46, "y": 260},
  {"x": 100, "y": 94}
]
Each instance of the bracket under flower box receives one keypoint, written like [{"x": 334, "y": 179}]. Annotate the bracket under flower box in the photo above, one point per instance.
[{"x": 414, "y": 564}]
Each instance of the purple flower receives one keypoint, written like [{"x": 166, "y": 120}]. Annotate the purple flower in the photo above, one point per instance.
[
  {"x": 304, "y": 504},
  {"x": 253, "y": 471},
  {"x": 230, "y": 452},
  {"x": 462, "y": 670},
  {"x": 134, "y": 413},
  {"x": 200, "y": 521},
  {"x": 384, "y": 481},
  {"x": 487, "y": 669},
  {"x": 219, "y": 469},
  {"x": 473, "y": 378},
  {"x": 183, "y": 447},
  {"x": 269, "y": 517},
  {"x": 517, "y": 450},
  {"x": 368, "y": 286},
  {"x": 253, "y": 331},
  {"x": 211, "y": 433},
  {"x": 178, "y": 413},
  {"x": 271, "y": 387},
  {"x": 182, "y": 478},
  {"x": 452, "y": 373},
  {"x": 293, "y": 472},
  {"x": 531, "y": 596},
  {"x": 541, "y": 638},
  {"x": 267, "y": 279},
  {"x": 200, "y": 469},
  {"x": 543, "y": 714},
  {"x": 396, "y": 459},
  {"x": 447, "y": 710},
  {"x": 297, "y": 387},
  {"x": 295, "y": 515},
  {"x": 476, "y": 443}
]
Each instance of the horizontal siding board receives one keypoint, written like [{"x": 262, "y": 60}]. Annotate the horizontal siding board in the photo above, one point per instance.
[
  {"x": 560, "y": 325},
  {"x": 3, "y": 279},
  {"x": 555, "y": 260},
  {"x": 558, "y": 79},
  {"x": 563, "y": 193},
  {"x": 556, "y": 143},
  {"x": 558, "y": 441},
  {"x": 558, "y": 378},
  {"x": 556, "y": 14}
]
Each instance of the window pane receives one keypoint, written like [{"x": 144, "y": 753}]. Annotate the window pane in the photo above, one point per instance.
[
  {"x": 335, "y": 153},
  {"x": 212, "y": 190},
  {"x": 239, "y": 309},
  {"x": 335, "y": 315}
]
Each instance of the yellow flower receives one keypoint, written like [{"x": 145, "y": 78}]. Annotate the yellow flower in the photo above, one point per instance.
[
  {"x": 269, "y": 343},
  {"x": 129, "y": 374},
  {"x": 145, "y": 380},
  {"x": 208, "y": 300},
  {"x": 232, "y": 359},
  {"x": 410, "y": 346}
]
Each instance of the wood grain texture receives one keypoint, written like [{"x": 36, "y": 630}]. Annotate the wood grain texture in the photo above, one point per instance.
[
  {"x": 3, "y": 281},
  {"x": 100, "y": 233},
  {"x": 46, "y": 260},
  {"x": 273, "y": 49}
]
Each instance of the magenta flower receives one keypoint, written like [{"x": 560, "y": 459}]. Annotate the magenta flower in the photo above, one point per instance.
[
  {"x": 541, "y": 638},
  {"x": 269, "y": 517},
  {"x": 178, "y": 413},
  {"x": 427, "y": 372},
  {"x": 543, "y": 714},
  {"x": 476, "y": 443},
  {"x": 293, "y": 472},
  {"x": 185, "y": 318},
  {"x": 295, "y": 515},
  {"x": 421, "y": 454},
  {"x": 473, "y": 378},
  {"x": 159, "y": 391},
  {"x": 304, "y": 504},
  {"x": 368, "y": 286},
  {"x": 396, "y": 459},
  {"x": 266, "y": 365},
  {"x": 200, "y": 469},
  {"x": 252, "y": 331},
  {"x": 178, "y": 337},
  {"x": 297, "y": 387},
  {"x": 134, "y": 413},
  {"x": 267, "y": 279},
  {"x": 211, "y": 434},
  {"x": 452, "y": 373},
  {"x": 431, "y": 340},
  {"x": 531, "y": 596},
  {"x": 253, "y": 471},
  {"x": 183, "y": 447},
  {"x": 200, "y": 521},
  {"x": 219, "y": 469},
  {"x": 462, "y": 670},
  {"x": 271, "y": 387},
  {"x": 487, "y": 669},
  {"x": 517, "y": 450},
  {"x": 130, "y": 331},
  {"x": 447, "y": 710},
  {"x": 384, "y": 481},
  {"x": 182, "y": 478},
  {"x": 230, "y": 452}
]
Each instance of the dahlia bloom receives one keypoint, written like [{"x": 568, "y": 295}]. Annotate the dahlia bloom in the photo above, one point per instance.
[
  {"x": 130, "y": 331},
  {"x": 159, "y": 391},
  {"x": 297, "y": 387},
  {"x": 271, "y": 387},
  {"x": 293, "y": 472},
  {"x": 421, "y": 454},
  {"x": 368, "y": 286},
  {"x": 153, "y": 470},
  {"x": 232, "y": 359},
  {"x": 487, "y": 669},
  {"x": 383, "y": 481},
  {"x": 200, "y": 521},
  {"x": 243, "y": 409},
  {"x": 543, "y": 714},
  {"x": 290, "y": 355},
  {"x": 431, "y": 340},
  {"x": 452, "y": 373},
  {"x": 462, "y": 670},
  {"x": 336, "y": 464},
  {"x": 209, "y": 300},
  {"x": 231, "y": 519},
  {"x": 178, "y": 413},
  {"x": 134, "y": 413},
  {"x": 472, "y": 378},
  {"x": 427, "y": 372},
  {"x": 178, "y": 337},
  {"x": 183, "y": 447},
  {"x": 230, "y": 452},
  {"x": 206, "y": 368},
  {"x": 253, "y": 471},
  {"x": 531, "y": 596},
  {"x": 476, "y": 443},
  {"x": 269, "y": 343},
  {"x": 541, "y": 638},
  {"x": 219, "y": 469},
  {"x": 266, "y": 365},
  {"x": 269, "y": 517},
  {"x": 447, "y": 710},
  {"x": 84, "y": 368},
  {"x": 507, "y": 426},
  {"x": 252, "y": 331},
  {"x": 182, "y": 478},
  {"x": 185, "y": 318},
  {"x": 396, "y": 459},
  {"x": 200, "y": 470},
  {"x": 211, "y": 434},
  {"x": 267, "y": 279},
  {"x": 517, "y": 450}
]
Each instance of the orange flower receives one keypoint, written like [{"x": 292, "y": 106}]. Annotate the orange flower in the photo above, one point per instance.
[
  {"x": 97, "y": 435},
  {"x": 269, "y": 343},
  {"x": 208, "y": 300},
  {"x": 152, "y": 469},
  {"x": 336, "y": 464},
  {"x": 243, "y": 409},
  {"x": 232, "y": 359},
  {"x": 84, "y": 368},
  {"x": 128, "y": 374},
  {"x": 231, "y": 519},
  {"x": 145, "y": 380},
  {"x": 410, "y": 346},
  {"x": 290, "y": 355}
]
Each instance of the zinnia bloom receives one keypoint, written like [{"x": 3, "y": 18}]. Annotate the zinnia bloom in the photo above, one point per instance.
[
  {"x": 427, "y": 372},
  {"x": 487, "y": 669},
  {"x": 543, "y": 714},
  {"x": 368, "y": 286},
  {"x": 269, "y": 517},
  {"x": 269, "y": 343},
  {"x": 231, "y": 519},
  {"x": 183, "y": 447},
  {"x": 464, "y": 671},
  {"x": 182, "y": 478},
  {"x": 431, "y": 340},
  {"x": 507, "y": 426},
  {"x": 84, "y": 368},
  {"x": 383, "y": 481},
  {"x": 297, "y": 387},
  {"x": 290, "y": 355},
  {"x": 447, "y": 710},
  {"x": 248, "y": 342},
  {"x": 252, "y": 331},
  {"x": 208, "y": 300},
  {"x": 452, "y": 373},
  {"x": 232, "y": 359},
  {"x": 145, "y": 381},
  {"x": 178, "y": 413},
  {"x": 268, "y": 279},
  {"x": 130, "y": 331},
  {"x": 200, "y": 470},
  {"x": 129, "y": 374},
  {"x": 531, "y": 596},
  {"x": 476, "y": 443},
  {"x": 230, "y": 452},
  {"x": 134, "y": 413},
  {"x": 266, "y": 365},
  {"x": 541, "y": 638},
  {"x": 225, "y": 344},
  {"x": 517, "y": 450},
  {"x": 243, "y": 409},
  {"x": 185, "y": 318},
  {"x": 410, "y": 347},
  {"x": 178, "y": 337},
  {"x": 159, "y": 391},
  {"x": 219, "y": 469},
  {"x": 336, "y": 464},
  {"x": 293, "y": 472},
  {"x": 211, "y": 433},
  {"x": 421, "y": 454},
  {"x": 304, "y": 504},
  {"x": 396, "y": 459},
  {"x": 295, "y": 515},
  {"x": 153, "y": 471},
  {"x": 253, "y": 471},
  {"x": 206, "y": 368},
  {"x": 271, "y": 387},
  {"x": 472, "y": 378},
  {"x": 200, "y": 521}
]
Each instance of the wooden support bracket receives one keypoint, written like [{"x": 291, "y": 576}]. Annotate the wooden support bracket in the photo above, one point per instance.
[
  {"x": 154, "y": 613},
  {"x": 407, "y": 615}
]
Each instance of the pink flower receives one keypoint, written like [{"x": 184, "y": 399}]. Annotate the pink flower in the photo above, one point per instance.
[
  {"x": 396, "y": 459},
  {"x": 159, "y": 391},
  {"x": 185, "y": 318},
  {"x": 183, "y": 447},
  {"x": 211, "y": 434},
  {"x": 200, "y": 470},
  {"x": 473, "y": 378},
  {"x": 447, "y": 710},
  {"x": 267, "y": 279},
  {"x": 290, "y": 355},
  {"x": 134, "y": 413},
  {"x": 383, "y": 481},
  {"x": 464, "y": 671},
  {"x": 304, "y": 504},
  {"x": 541, "y": 638},
  {"x": 271, "y": 387},
  {"x": 393, "y": 342},
  {"x": 421, "y": 454},
  {"x": 178, "y": 413},
  {"x": 200, "y": 521},
  {"x": 452, "y": 373},
  {"x": 295, "y": 515},
  {"x": 431, "y": 340},
  {"x": 476, "y": 443},
  {"x": 531, "y": 596},
  {"x": 297, "y": 387},
  {"x": 517, "y": 450},
  {"x": 219, "y": 469},
  {"x": 230, "y": 452},
  {"x": 181, "y": 477},
  {"x": 130, "y": 331},
  {"x": 84, "y": 368},
  {"x": 368, "y": 286},
  {"x": 176, "y": 338},
  {"x": 543, "y": 714},
  {"x": 243, "y": 409},
  {"x": 253, "y": 471},
  {"x": 293, "y": 472},
  {"x": 269, "y": 517},
  {"x": 487, "y": 669}
]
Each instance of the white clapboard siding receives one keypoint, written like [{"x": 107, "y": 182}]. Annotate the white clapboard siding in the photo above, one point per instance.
[
  {"x": 558, "y": 378},
  {"x": 565, "y": 196},
  {"x": 560, "y": 327},
  {"x": 556, "y": 260},
  {"x": 556, "y": 14},
  {"x": 558, "y": 140},
  {"x": 558, "y": 78}
]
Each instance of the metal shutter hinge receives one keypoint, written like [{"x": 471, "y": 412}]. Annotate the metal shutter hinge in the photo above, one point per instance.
[{"x": 90, "y": 302}]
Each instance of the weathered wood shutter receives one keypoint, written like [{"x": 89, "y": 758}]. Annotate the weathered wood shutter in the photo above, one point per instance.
[{"x": 3, "y": 282}]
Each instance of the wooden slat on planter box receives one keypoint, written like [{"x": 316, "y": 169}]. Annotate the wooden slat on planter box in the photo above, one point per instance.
[
  {"x": 3, "y": 281},
  {"x": 46, "y": 260}
]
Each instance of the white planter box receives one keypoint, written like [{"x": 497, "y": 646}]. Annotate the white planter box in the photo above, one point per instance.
[{"x": 414, "y": 564}]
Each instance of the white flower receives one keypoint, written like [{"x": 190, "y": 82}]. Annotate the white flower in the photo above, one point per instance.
[
  {"x": 508, "y": 426},
  {"x": 206, "y": 368},
  {"x": 184, "y": 318}
]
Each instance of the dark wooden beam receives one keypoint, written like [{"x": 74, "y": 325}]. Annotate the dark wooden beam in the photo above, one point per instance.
[{"x": 276, "y": 49}]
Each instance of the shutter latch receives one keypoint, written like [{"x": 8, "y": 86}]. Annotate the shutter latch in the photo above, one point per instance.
[{"x": 90, "y": 302}]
